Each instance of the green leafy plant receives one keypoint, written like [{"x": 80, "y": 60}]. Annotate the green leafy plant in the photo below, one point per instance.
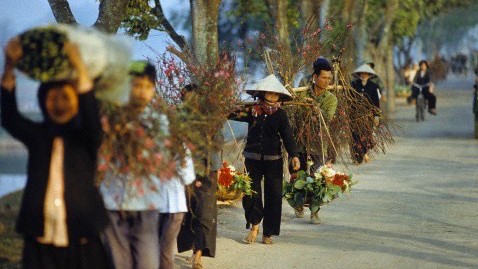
[{"x": 315, "y": 190}]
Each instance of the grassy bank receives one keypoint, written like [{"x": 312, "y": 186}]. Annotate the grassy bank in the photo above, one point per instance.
[{"x": 10, "y": 242}]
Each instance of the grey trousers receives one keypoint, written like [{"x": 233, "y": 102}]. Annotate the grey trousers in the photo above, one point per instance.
[
  {"x": 132, "y": 238},
  {"x": 169, "y": 226}
]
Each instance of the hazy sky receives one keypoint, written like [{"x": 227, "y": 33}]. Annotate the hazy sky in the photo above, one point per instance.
[{"x": 17, "y": 16}]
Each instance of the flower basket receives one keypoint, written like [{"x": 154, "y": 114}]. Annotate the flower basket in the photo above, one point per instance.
[
  {"x": 318, "y": 189},
  {"x": 232, "y": 185},
  {"x": 227, "y": 194}
]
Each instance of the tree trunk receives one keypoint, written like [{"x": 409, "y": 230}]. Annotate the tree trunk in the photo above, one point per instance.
[
  {"x": 311, "y": 12},
  {"x": 382, "y": 54},
  {"x": 282, "y": 24},
  {"x": 166, "y": 25},
  {"x": 111, "y": 13},
  {"x": 62, "y": 12},
  {"x": 324, "y": 11},
  {"x": 360, "y": 30},
  {"x": 349, "y": 15},
  {"x": 205, "y": 14}
]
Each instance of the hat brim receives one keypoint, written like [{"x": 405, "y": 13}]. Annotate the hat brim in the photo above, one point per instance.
[{"x": 283, "y": 97}]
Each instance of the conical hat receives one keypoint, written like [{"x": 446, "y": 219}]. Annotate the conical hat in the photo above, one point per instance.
[
  {"x": 365, "y": 68},
  {"x": 271, "y": 84}
]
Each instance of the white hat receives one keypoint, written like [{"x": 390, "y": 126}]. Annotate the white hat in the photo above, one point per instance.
[
  {"x": 271, "y": 84},
  {"x": 365, "y": 68}
]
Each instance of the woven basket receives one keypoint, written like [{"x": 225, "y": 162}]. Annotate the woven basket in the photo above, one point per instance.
[{"x": 224, "y": 194}]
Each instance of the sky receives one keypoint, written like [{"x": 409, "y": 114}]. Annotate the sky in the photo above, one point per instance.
[{"x": 17, "y": 16}]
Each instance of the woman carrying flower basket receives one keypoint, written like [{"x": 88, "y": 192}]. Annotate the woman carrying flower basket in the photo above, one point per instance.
[{"x": 268, "y": 124}]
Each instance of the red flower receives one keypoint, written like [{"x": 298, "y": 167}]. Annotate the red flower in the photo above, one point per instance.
[
  {"x": 225, "y": 176},
  {"x": 339, "y": 179}
]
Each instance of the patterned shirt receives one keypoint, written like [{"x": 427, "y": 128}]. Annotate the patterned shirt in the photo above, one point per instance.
[{"x": 135, "y": 193}]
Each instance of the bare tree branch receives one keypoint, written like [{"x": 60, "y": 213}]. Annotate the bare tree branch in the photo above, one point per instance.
[
  {"x": 177, "y": 38},
  {"x": 62, "y": 12},
  {"x": 111, "y": 13}
]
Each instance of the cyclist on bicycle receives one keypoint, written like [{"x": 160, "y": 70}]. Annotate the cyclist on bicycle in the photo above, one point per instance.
[{"x": 423, "y": 79}]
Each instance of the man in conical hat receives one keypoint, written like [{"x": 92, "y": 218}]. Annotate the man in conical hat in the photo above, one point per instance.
[{"x": 268, "y": 125}]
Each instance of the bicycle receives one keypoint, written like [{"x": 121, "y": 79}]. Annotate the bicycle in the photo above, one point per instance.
[{"x": 420, "y": 103}]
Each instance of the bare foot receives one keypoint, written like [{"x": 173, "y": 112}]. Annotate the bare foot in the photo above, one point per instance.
[{"x": 252, "y": 236}]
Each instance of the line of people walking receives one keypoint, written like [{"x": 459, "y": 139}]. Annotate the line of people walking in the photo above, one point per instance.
[{"x": 133, "y": 221}]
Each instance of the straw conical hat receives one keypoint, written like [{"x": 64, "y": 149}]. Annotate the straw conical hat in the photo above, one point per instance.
[
  {"x": 271, "y": 84},
  {"x": 365, "y": 68}
]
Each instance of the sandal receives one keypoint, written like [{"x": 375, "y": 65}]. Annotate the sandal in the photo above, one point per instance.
[
  {"x": 267, "y": 240},
  {"x": 251, "y": 237}
]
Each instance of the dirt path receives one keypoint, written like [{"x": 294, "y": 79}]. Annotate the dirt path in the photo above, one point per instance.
[{"x": 415, "y": 207}]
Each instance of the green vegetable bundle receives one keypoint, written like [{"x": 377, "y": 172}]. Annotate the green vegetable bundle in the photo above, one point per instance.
[{"x": 44, "y": 57}]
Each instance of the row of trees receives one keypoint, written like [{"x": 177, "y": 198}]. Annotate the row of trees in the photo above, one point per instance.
[{"x": 378, "y": 26}]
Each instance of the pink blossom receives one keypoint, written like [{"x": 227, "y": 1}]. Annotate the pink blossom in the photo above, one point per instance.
[
  {"x": 139, "y": 132},
  {"x": 137, "y": 182},
  {"x": 149, "y": 143},
  {"x": 102, "y": 167},
  {"x": 167, "y": 72},
  {"x": 158, "y": 158},
  {"x": 167, "y": 143}
]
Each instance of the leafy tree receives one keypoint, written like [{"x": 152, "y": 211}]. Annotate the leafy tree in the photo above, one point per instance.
[{"x": 446, "y": 30}]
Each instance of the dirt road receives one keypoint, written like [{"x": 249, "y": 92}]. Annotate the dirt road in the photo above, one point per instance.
[{"x": 415, "y": 207}]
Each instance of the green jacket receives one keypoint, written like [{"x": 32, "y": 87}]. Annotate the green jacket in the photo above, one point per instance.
[{"x": 327, "y": 102}]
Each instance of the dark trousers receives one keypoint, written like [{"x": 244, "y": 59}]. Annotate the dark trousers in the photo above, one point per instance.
[
  {"x": 199, "y": 228},
  {"x": 271, "y": 209},
  {"x": 430, "y": 97},
  {"x": 362, "y": 144},
  {"x": 82, "y": 254}
]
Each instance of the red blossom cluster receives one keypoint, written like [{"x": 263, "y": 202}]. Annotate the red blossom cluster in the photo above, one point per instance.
[
  {"x": 339, "y": 179},
  {"x": 226, "y": 177}
]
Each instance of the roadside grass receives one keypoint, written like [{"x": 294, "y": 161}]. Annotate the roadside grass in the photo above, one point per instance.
[{"x": 11, "y": 243}]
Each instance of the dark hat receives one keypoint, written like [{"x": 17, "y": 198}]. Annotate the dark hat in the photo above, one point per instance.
[{"x": 321, "y": 64}]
